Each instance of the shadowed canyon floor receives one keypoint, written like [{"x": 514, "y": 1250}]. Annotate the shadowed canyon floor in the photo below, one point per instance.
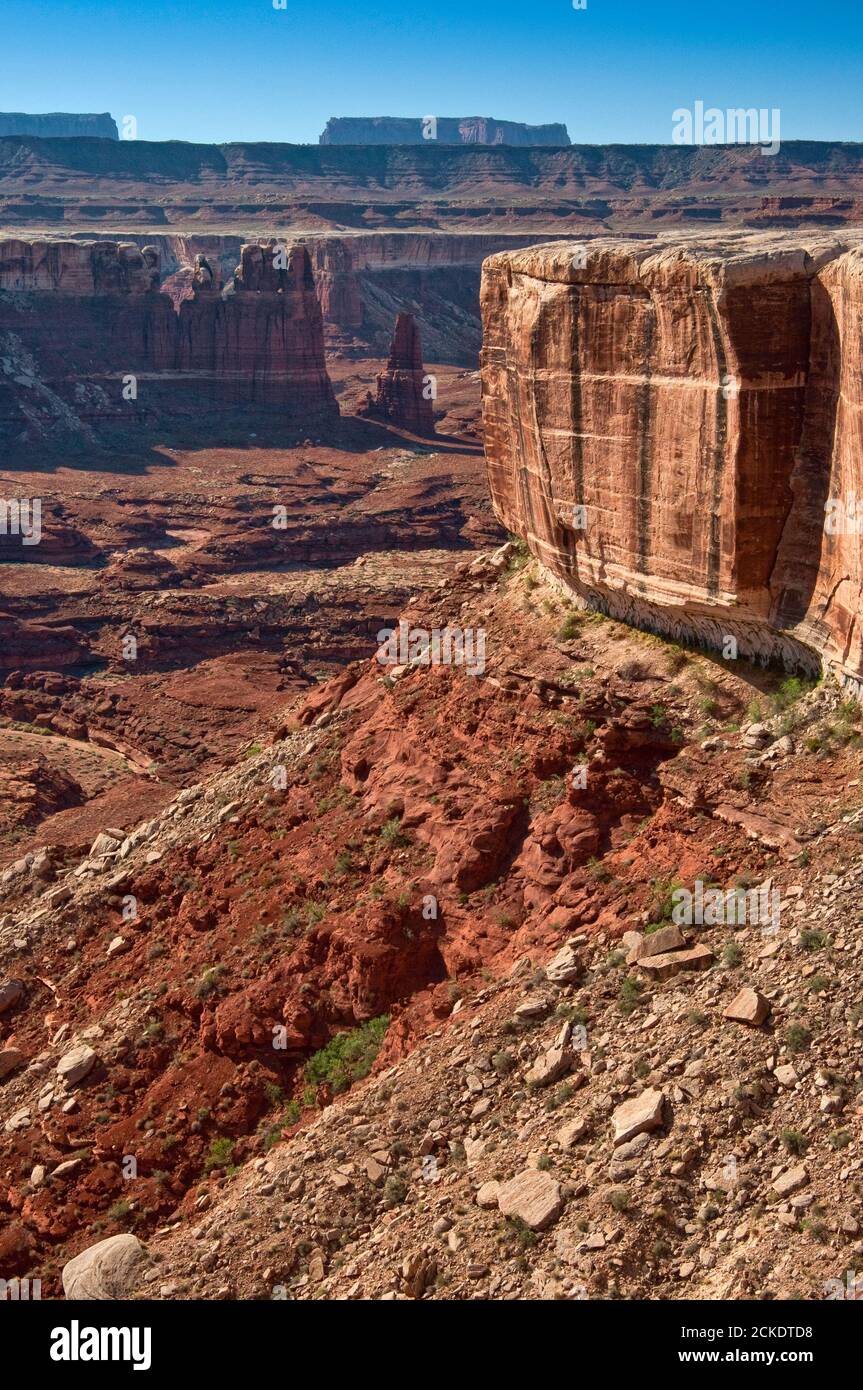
[{"x": 242, "y": 574}]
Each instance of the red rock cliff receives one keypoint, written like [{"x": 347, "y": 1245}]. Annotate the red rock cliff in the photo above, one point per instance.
[
  {"x": 670, "y": 425},
  {"x": 402, "y": 390},
  {"x": 261, "y": 341},
  {"x": 76, "y": 318}
]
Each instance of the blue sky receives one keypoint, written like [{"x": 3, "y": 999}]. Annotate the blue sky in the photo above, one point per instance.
[{"x": 240, "y": 70}]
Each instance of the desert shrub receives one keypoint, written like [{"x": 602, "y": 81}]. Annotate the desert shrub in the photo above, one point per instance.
[{"x": 347, "y": 1057}]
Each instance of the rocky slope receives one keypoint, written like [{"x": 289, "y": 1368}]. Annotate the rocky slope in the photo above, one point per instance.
[
  {"x": 672, "y": 426},
  {"x": 564, "y": 1102}
]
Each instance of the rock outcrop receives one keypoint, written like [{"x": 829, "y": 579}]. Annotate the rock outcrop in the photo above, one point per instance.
[
  {"x": 447, "y": 130},
  {"x": 65, "y": 124},
  {"x": 403, "y": 390},
  {"x": 87, "y": 338},
  {"x": 261, "y": 340},
  {"x": 674, "y": 427}
]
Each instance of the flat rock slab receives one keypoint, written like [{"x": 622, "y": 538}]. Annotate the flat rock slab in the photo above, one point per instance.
[
  {"x": 532, "y": 1196},
  {"x": 669, "y": 963},
  {"x": 792, "y": 1181},
  {"x": 748, "y": 1007},
  {"x": 563, "y": 967},
  {"x": 76, "y": 1064},
  {"x": 656, "y": 944},
  {"x": 111, "y": 1269},
  {"x": 638, "y": 1116}
]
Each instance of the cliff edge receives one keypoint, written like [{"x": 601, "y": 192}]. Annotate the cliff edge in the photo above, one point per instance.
[{"x": 674, "y": 428}]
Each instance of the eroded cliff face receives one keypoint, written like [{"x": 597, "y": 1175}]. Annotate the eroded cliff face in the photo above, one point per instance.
[
  {"x": 87, "y": 338},
  {"x": 155, "y": 187},
  {"x": 674, "y": 428}
]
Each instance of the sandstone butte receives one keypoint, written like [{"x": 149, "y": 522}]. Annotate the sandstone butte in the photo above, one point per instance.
[
  {"x": 670, "y": 423},
  {"x": 79, "y": 317},
  {"x": 402, "y": 389}
]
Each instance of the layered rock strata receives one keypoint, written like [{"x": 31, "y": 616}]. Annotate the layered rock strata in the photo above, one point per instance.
[
  {"x": 86, "y": 337},
  {"x": 150, "y": 187},
  {"x": 404, "y": 390},
  {"x": 675, "y": 429}
]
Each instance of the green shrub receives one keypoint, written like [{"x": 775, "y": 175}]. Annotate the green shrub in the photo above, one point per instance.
[
  {"x": 347, "y": 1057},
  {"x": 813, "y": 939},
  {"x": 392, "y": 833},
  {"x": 795, "y": 1142},
  {"x": 629, "y": 994},
  {"x": 797, "y": 1038},
  {"x": 220, "y": 1155}
]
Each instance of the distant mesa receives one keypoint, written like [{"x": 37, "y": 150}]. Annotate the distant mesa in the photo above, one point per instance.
[
  {"x": 441, "y": 130},
  {"x": 59, "y": 123}
]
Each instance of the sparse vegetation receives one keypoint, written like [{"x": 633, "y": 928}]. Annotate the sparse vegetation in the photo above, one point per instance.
[
  {"x": 347, "y": 1057},
  {"x": 797, "y": 1038},
  {"x": 220, "y": 1154}
]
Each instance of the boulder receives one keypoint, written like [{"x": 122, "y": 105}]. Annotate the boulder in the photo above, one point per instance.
[
  {"x": 533, "y": 1197},
  {"x": 551, "y": 1067},
  {"x": 640, "y": 1115},
  {"x": 76, "y": 1064},
  {"x": 662, "y": 967},
  {"x": 11, "y": 993},
  {"x": 657, "y": 943},
  {"x": 791, "y": 1181},
  {"x": 748, "y": 1007},
  {"x": 10, "y": 1058},
  {"x": 564, "y": 967},
  {"x": 112, "y": 1269}
]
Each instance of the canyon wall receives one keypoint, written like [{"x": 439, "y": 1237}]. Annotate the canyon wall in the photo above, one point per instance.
[
  {"x": 87, "y": 338},
  {"x": 674, "y": 427},
  {"x": 447, "y": 130},
  {"x": 122, "y": 186},
  {"x": 362, "y": 280}
]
